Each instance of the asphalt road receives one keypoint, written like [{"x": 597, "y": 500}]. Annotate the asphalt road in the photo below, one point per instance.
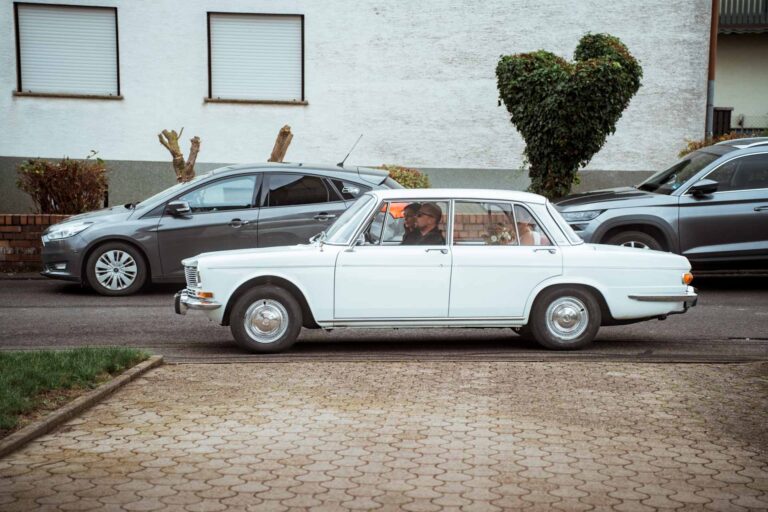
[{"x": 730, "y": 324}]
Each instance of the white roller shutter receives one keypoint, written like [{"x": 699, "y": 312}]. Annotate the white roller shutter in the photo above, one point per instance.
[
  {"x": 256, "y": 57},
  {"x": 67, "y": 50}
]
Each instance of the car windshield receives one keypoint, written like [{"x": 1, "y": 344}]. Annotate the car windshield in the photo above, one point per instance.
[
  {"x": 342, "y": 231},
  {"x": 173, "y": 189},
  {"x": 666, "y": 182}
]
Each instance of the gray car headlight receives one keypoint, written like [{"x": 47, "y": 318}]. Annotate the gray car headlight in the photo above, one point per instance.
[
  {"x": 66, "y": 230},
  {"x": 581, "y": 216}
]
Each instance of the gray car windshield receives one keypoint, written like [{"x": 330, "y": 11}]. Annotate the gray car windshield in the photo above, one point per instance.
[
  {"x": 342, "y": 231},
  {"x": 666, "y": 182},
  {"x": 172, "y": 190}
]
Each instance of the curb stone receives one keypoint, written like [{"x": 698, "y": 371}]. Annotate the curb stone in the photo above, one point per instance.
[{"x": 72, "y": 409}]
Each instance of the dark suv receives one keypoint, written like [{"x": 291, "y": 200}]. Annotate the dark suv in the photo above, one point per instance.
[
  {"x": 711, "y": 207},
  {"x": 116, "y": 250}
]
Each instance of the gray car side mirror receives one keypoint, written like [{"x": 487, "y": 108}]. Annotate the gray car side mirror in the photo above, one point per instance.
[
  {"x": 178, "y": 208},
  {"x": 703, "y": 188}
]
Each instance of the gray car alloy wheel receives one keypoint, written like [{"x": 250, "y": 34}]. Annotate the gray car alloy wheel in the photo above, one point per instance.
[
  {"x": 567, "y": 318},
  {"x": 266, "y": 320},
  {"x": 116, "y": 270}
]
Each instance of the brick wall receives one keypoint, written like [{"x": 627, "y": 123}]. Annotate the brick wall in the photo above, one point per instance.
[{"x": 20, "y": 243}]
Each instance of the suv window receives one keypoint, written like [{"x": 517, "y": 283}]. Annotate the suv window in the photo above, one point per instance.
[
  {"x": 349, "y": 190},
  {"x": 295, "y": 189},
  {"x": 745, "y": 173},
  {"x": 229, "y": 194},
  {"x": 484, "y": 223}
]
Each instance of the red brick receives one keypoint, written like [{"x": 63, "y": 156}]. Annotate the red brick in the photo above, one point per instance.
[
  {"x": 10, "y": 229},
  {"x": 23, "y": 243}
]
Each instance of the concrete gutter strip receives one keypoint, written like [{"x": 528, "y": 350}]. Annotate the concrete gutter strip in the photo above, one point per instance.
[{"x": 72, "y": 409}]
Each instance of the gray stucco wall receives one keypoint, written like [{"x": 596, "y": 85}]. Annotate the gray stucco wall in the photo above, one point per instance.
[{"x": 133, "y": 181}]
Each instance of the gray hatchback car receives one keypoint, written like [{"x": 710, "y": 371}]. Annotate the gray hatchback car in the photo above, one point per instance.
[
  {"x": 116, "y": 250},
  {"x": 711, "y": 207}
]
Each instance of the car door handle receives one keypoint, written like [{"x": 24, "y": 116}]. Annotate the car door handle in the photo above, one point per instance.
[
  {"x": 236, "y": 223},
  {"x": 549, "y": 250},
  {"x": 442, "y": 251},
  {"x": 761, "y": 208},
  {"x": 324, "y": 216}
]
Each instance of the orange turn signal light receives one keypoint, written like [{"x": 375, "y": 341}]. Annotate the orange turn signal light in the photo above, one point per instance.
[
  {"x": 205, "y": 295},
  {"x": 687, "y": 278}
]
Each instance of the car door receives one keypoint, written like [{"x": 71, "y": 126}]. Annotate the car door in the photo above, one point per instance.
[
  {"x": 730, "y": 225},
  {"x": 295, "y": 207},
  {"x": 222, "y": 217},
  {"x": 384, "y": 279},
  {"x": 500, "y": 254}
]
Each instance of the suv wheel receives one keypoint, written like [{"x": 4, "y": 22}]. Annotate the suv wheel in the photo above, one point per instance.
[
  {"x": 565, "y": 318},
  {"x": 266, "y": 319},
  {"x": 116, "y": 268},
  {"x": 637, "y": 239}
]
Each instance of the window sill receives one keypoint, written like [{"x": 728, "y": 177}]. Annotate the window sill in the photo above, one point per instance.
[
  {"x": 256, "y": 102},
  {"x": 67, "y": 96}
]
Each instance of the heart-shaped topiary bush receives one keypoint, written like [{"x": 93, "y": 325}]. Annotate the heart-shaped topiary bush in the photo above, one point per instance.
[{"x": 564, "y": 110}]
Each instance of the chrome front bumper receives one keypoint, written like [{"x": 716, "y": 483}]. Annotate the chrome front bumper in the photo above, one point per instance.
[{"x": 183, "y": 301}]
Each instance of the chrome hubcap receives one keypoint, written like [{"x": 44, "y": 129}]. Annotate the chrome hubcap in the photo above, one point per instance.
[
  {"x": 635, "y": 244},
  {"x": 567, "y": 318},
  {"x": 116, "y": 270},
  {"x": 266, "y": 321}
]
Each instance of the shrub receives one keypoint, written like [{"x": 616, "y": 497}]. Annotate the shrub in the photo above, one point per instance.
[
  {"x": 407, "y": 177},
  {"x": 64, "y": 187},
  {"x": 693, "y": 145},
  {"x": 564, "y": 110}
]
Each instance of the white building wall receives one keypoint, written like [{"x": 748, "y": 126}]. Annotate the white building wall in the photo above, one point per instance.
[{"x": 417, "y": 78}]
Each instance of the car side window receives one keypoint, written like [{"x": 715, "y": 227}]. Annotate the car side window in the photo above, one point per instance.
[
  {"x": 229, "y": 194},
  {"x": 408, "y": 223},
  {"x": 349, "y": 190},
  {"x": 484, "y": 223},
  {"x": 744, "y": 173},
  {"x": 295, "y": 189},
  {"x": 528, "y": 230}
]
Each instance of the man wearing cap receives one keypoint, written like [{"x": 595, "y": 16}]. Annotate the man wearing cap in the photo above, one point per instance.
[{"x": 427, "y": 219}]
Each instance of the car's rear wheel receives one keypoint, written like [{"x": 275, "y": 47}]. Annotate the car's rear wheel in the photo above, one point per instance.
[
  {"x": 266, "y": 319},
  {"x": 116, "y": 268},
  {"x": 565, "y": 318},
  {"x": 637, "y": 239}
]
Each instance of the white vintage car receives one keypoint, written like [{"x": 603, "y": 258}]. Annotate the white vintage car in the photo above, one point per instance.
[{"x": 438, "y": 258}]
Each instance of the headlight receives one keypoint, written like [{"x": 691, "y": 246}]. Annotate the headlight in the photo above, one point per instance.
[
  {"x": 581, "y": 216},
  {"x": 66, "y": 231}
]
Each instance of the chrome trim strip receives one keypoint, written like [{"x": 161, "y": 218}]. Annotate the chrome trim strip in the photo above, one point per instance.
[{"x": 688, "y": 298}]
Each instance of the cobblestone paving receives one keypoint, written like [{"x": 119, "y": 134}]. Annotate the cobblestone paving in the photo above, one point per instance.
[{"x": 409, "y": 436}]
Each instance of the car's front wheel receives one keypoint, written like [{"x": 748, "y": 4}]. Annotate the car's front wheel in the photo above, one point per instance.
[
  {"x": 636, "y": 239},
  {"x": 565, "y": 318},
  {"x": 116, "y": 268},
  {"x": 266, "y": 319}
]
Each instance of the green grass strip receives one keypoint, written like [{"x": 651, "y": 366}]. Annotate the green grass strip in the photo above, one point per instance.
[{"x": 26, "y": 376}]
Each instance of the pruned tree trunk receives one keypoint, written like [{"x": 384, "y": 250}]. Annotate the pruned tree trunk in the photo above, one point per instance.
[
  {"x": 282, "y": 142},
  {"x": 185, "y": 171}
]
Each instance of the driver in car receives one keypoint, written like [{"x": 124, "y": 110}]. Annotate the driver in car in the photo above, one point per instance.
[{"x": 427, "y": 232}]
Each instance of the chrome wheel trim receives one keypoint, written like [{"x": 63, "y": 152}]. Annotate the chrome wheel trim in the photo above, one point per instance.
[
  {"x": 116, "y": 270},
  {"x": 266, "y": 321},
  {"x": 567, "y": 318},
  {"x": 635, "y": 244}
]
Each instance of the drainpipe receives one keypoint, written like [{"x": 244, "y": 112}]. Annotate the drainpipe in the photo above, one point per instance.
[{"x": 713, "y": 29}]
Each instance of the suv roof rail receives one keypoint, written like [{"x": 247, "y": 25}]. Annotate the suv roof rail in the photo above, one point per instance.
[{"x": 746, "y": 142}]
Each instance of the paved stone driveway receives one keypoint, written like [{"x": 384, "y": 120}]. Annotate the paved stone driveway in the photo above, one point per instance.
[{"x": 409, "y": 436}]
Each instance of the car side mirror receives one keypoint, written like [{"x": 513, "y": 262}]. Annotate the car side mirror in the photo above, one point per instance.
[
  {"x": 703, "y": 188},
  {"x": 178, "y": 208}
]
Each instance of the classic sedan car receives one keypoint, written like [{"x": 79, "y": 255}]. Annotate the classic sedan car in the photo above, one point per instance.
[{"x": 437, "y": 258}]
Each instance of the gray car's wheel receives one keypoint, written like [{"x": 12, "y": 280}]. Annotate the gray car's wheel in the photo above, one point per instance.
[
  {"x": 116, "y": 268},
  {"x": 637, "y": 239},
  {"x": 565, "y": 318},
  {"x": 266, "y": 319}
]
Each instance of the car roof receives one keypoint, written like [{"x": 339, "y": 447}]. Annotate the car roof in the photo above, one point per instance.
[
  {"x": 749, "y": 142},
  {"x": 367, "y": 173},
  {"x": 459, "y": 193}
]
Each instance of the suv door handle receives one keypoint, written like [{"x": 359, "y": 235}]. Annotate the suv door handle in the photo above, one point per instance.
[
  {"x": 549, "y": 250},
  {"x": 324, "y": 216},
  {"x": 442, "y": 251},
  {"x": 761, "y": 208},
  {"x": 236, "y": 223}
]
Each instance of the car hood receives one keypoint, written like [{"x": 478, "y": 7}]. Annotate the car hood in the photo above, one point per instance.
[
  {"x": 610, "y": 198},
  {"x": 620, "y": 257},
  {"x": 284, "y": 255},
  {"x": 111, "y": 214}
]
